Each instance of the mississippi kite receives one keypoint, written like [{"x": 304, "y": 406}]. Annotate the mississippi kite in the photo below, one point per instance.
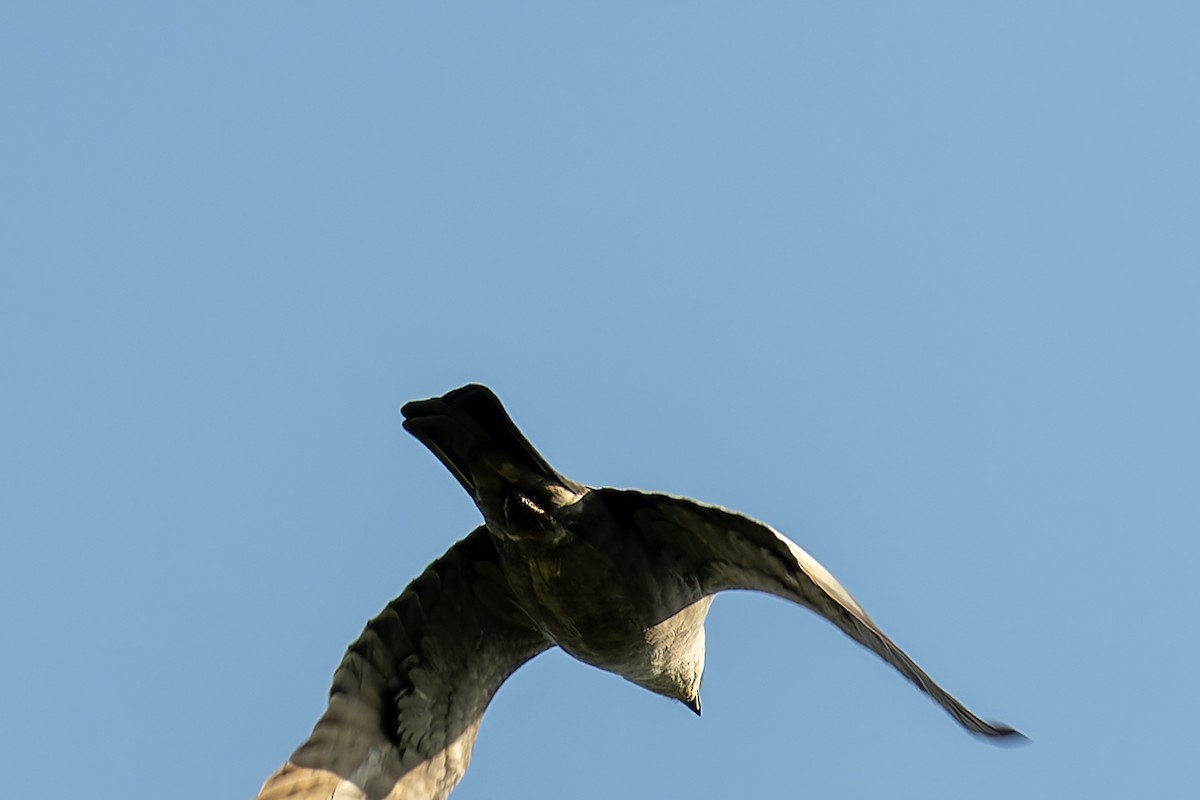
[{"x": 621, "y": 580}]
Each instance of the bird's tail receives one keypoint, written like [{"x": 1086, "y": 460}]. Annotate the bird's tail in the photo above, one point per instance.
[{"x": 471, "y": 433}]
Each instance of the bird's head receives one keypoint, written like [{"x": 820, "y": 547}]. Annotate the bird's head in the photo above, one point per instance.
[{"x": 676, "y": 654}]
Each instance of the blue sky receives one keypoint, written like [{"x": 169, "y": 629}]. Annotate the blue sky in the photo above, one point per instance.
[{"x": 917, "y": 284}]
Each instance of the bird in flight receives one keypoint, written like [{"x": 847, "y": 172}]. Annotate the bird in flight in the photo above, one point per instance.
[{"x": 619, "y": 579}]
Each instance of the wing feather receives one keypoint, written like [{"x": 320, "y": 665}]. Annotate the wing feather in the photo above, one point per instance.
[
  {"x": 721, "y": 549},
  {"x": 408, "y": 697}
]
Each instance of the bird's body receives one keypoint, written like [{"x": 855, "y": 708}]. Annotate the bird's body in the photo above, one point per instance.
[
  {"x": 596, "y": 593},
  {"x": 619, "y": 579}
]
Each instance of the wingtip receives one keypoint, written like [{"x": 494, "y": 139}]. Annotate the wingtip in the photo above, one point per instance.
[{"x": 1004, "y": 735}]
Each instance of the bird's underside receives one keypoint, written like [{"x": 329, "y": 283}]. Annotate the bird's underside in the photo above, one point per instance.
[{"x": 619, "y": 579}]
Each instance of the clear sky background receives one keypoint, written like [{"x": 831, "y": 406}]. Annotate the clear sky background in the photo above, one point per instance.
[{"x": 918, "y": 284}]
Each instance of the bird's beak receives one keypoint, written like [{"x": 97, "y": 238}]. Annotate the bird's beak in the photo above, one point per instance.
[{"x": 693, "y": 704}]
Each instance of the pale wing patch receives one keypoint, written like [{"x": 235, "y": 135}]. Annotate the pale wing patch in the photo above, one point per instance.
[
  {"x": 733, "y": 551},
  {"x": 437, "y": 777},
  {"x": 301, "y": 783},
  {"x": 407, "y": 699},
  {"x": 821, "y": 576}
]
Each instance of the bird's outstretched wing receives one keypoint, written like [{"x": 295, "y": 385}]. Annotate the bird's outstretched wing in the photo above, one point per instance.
[
  {"x": 720, "y": 549},
  {"x": 409, "y": 695}
]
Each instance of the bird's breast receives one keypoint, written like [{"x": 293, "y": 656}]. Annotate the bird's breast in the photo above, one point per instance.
[{"x": 602, "y": 607}]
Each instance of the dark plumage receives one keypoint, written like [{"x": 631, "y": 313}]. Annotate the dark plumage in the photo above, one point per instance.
[{"x": 619, "y": 579}]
